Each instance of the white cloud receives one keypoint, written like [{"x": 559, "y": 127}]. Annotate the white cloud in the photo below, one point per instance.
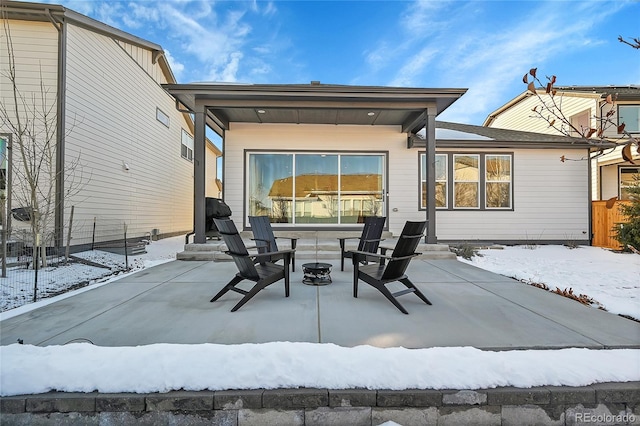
[
  {"x": 458, "y": 50},
  {"x": 407, "y": 74}
]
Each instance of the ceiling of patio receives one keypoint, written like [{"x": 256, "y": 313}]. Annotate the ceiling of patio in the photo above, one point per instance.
[{"x": 314, "y": 103}]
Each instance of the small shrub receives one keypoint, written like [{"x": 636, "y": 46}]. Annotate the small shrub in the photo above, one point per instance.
[
  {"x": 628, "y": 233},
  {"x": 465, "y": 250}
]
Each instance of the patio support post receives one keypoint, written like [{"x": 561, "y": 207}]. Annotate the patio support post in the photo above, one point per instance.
[
  {"x": 430, "y": 237},
  {"x": 199, "y": 213}
]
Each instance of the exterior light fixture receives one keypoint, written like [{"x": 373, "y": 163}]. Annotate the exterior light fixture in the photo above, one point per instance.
[
  {"x": 261, "y": 111},
  {"x": 371, "y": 113}
]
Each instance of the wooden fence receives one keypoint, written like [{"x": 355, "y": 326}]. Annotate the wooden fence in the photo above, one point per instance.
[{"x": 604, "y": 216}]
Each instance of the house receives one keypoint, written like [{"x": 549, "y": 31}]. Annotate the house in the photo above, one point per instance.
[
  {"x": 123, "y": 152},
  {"x": 584, "y": 106},
  {"x": 320, "y": 157}
]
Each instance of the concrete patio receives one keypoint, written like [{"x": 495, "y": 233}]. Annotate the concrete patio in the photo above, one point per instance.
[{"x": 169, "y": 303}]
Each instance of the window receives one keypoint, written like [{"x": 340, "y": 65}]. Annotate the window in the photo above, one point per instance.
[
  {"x": 441, "y": 181},
  {"x": 630, "y": 116},
  {"x": 480, "y": 181},
  {"x": 186, "y": 150},
  {"x": 162, "y": 117},
  {"x": 466, "y": 181},
  {"x": 316, "y": 188},
  {"x": 628, "y": 177},
  {"x": 497, "y": 181},
  {"x": 582, "y": 122}
]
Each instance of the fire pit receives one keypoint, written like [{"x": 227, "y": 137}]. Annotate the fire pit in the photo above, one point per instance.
[{"x": 316, "y": 273}]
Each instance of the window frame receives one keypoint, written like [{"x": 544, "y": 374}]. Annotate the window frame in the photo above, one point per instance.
[
  {"x": 627, "y": 128},
  {"x": 339, "y": 225},
  {"x": 163, "y": 117},
  {"x": 423, "y": 202},
  {"x": 189, "y": 149},
  {"x": 620, "y": 168},
  {"x": 482, "y": 183},
  {"x": 454, "y": 181},
  {"x": 487, "y": 181}
]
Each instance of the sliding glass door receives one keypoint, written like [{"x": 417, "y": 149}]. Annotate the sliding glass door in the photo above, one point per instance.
[{"x": 316, "y": 188}]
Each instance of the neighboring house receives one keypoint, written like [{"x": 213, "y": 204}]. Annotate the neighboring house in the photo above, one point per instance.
[
  {"x": 584, "y": 106},
  {"x": 134, "y": 149},
  {"x": 320, "y": 157}
]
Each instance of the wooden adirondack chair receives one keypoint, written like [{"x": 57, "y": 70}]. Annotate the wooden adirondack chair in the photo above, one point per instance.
[
  {"x": 266, "y": 240},
  {"x": 379, "y": 275},
  {"x": 257, "y": 268},
  {"x": 369, "y": 240}
]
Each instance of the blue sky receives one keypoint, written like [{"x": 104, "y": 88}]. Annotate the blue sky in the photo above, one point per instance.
[{"x": 485, "y": 46}]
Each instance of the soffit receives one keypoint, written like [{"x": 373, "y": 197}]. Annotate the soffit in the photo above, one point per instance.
[{"x": 313, "y": 104}]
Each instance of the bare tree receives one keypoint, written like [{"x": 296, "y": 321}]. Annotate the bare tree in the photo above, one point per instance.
[
  {"x": 30, "y": 115},
  {"x": 635, "y": 42},
  {"x": 549, "y": 109}
]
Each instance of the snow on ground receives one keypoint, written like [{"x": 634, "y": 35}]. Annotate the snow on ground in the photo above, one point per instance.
[
  {"x": 82, "y": 367},
  {"x": 611, "y": 279},
  {"x": 17, "y": 289}
]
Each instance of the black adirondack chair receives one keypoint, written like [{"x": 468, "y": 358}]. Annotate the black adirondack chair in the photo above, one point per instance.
[
  {"x": 266, "y": 240},
  {"x": 262, "y": 273},
  {"x": 379, "y": 275},
  {"x": 369, "y": 240}
]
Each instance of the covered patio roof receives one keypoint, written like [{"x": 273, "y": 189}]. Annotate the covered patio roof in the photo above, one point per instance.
[
  {"x": 313, "y": 103},
  {"x": 219, "y": 105}
]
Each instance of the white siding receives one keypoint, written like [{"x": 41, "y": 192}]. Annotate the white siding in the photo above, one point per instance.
[
  {"x": 521, "y": 117},
  {"x": 35, "y": 53},
  {"x": 211, "y": 189},
  {"x": 550, "y": 203},
  {"x": 111, "y": 121}
]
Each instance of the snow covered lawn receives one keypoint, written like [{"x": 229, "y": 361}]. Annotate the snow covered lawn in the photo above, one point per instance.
[{"x": 611, "y": 279}]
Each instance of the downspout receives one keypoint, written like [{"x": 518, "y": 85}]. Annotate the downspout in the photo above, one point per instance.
[{"x": 60, "y": 133}]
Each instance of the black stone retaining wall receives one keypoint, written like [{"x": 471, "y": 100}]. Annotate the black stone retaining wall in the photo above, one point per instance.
[{"x": 600, "y": 404}]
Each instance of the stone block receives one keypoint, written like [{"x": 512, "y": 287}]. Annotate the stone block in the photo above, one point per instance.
[
  {"x": 338, "y": 416},
  {"x": 352, "y": 398},
  {"x": 405, "y": 416},
  {"x": 518, "y": 415},
  {"x": 12, "y": 404},
  {"x": 48, "y": 419},
  {"x": 409, "y": 398},
  {"x": 484, "y": 415},
  {"x": 627, "y": 392},
  {"x": 596, "y": 414},
  {"x": 517, "y": 396},
  {"x": 569, "y": 395},
  {"x": 180, "y": 401},
  {"x": 61, "y": 402},
  {"x": 295, "y": 398},
  {"x": 270, "y": 417},
  {"x": 237, "y": 399},
  {"x": 464, "y": 397},
  {"x": 120, "y": 402}
]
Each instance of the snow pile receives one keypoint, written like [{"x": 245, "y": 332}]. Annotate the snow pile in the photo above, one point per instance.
[{"x": 82, "y": 367}]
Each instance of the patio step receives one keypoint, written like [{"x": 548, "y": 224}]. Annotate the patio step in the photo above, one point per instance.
[{"x": 305, "y": 249}]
